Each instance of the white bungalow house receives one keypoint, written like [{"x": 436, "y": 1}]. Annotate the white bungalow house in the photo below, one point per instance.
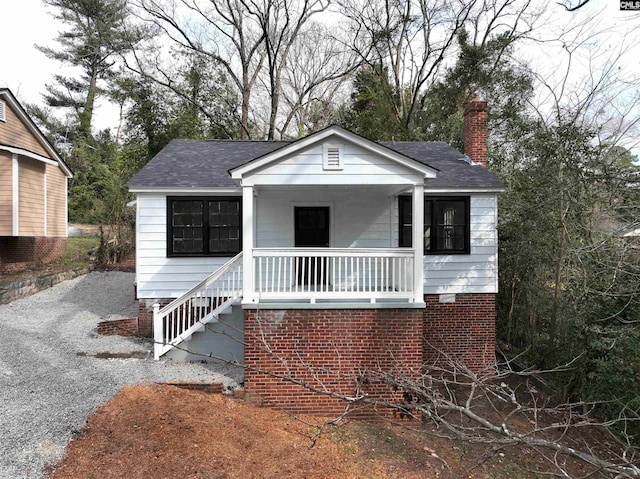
[{"x": 332, "y": 248}]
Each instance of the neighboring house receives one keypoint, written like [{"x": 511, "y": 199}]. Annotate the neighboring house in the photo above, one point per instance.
[
  {"x": 33, "y": 189},
  {"x": 328, "y": 253}
]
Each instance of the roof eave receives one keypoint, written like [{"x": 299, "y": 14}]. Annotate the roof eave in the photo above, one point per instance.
[
  {"x": 184, "y": 189},
  {"x": 22, "y": 114},
  {"x": 465, "y": 189}
]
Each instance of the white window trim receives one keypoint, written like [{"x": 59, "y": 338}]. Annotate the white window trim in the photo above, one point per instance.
[{"x": 3, "y": 111}]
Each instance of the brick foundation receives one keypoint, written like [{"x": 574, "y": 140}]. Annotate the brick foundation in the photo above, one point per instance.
[
  {"x": 145, "y": 315},
  {"x": 145, "y": 319},
  {"x": 28, "y": 249},
  {"x": 465, "y": 329},
  {"x": 118, "y": 327},
  {"x": 329, "y": 348},
  {"x": 332, "y": 347}
]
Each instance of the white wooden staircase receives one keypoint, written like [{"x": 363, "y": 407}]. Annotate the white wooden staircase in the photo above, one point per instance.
[{"x": 202, "y": 304}]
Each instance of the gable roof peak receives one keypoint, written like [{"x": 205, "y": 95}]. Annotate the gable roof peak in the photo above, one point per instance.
[
  {"x": 7, "y": 96},
  {"x": 238, "y": 172}
]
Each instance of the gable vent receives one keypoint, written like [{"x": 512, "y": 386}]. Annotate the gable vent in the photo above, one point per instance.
[
  {"x": 332, "y": 157},
  {"x": 3, "y": 111}
]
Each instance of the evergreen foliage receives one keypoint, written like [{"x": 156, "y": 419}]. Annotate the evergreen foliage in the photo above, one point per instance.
[
  {"x": 569, "y": 281},
  {"x": 371, "y": 112}
]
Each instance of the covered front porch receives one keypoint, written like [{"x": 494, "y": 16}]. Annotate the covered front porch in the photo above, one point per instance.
[{"x": 329, "y": 244}]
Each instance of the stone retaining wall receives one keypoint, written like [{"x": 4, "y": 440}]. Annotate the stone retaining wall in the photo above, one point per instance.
[{"x": 26, "y": 287}]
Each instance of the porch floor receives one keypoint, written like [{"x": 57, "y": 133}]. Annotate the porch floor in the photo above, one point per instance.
[{"x": 333, "y": 304}]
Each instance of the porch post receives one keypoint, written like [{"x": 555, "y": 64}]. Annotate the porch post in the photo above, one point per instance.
[
  {"x": 247, "y": 245},
  {"x": 418, "y": 243}
]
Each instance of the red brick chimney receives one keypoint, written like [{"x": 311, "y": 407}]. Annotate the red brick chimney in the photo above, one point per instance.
[{"x": 475, "y": 131}]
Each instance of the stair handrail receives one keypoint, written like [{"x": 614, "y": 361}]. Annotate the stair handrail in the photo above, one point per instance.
[
  {"x": 201, "y": 285},
  {"x": 161, "y": 346}
]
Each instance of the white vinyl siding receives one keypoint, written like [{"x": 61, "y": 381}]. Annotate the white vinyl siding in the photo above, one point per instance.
[
  {"x": 156, "y": 275},
  {"x": 476, "y": 272},
  {"x": 358, "y": 167},
  {"x": 359, "y": 216}
]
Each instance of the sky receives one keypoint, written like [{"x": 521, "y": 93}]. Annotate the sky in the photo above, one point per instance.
[{"x": 26, "y": 70}]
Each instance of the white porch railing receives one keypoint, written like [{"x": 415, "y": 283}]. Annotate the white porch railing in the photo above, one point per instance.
[
  {"x": 203, "y": 303},
  {"x": 333, "y": 273}
]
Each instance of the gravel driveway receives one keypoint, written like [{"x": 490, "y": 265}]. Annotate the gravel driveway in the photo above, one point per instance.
[{"x": 50, "y": 382}]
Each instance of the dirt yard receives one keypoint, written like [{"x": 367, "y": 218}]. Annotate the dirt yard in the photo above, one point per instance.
[{"x": 166, "y": 432}]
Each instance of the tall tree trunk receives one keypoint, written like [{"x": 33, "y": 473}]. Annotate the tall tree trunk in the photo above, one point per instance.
[
  {"x": 244, "y": 118},
  {"x": 557, "y": 290},
  {"x": 85, "y": 117},
  {"x": 275, "y": 99},
  {"x": 512, "y": 305}
]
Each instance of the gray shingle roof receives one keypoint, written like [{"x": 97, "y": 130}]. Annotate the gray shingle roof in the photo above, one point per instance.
[
  {"x": 205, "y": 164},
  {"x": 453, "y": 171},
  {"x": 194, "y": 163}
]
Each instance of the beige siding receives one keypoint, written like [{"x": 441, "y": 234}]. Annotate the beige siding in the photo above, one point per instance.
[
  {"x": 6, "y": 194},
  {"x": 56, "y": 204},
  {"x": 14, "y": 132},
  {"x": 31, "y": 197}
]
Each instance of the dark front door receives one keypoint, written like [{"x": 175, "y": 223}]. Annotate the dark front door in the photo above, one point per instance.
[{"x": 311, "y": 231}]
